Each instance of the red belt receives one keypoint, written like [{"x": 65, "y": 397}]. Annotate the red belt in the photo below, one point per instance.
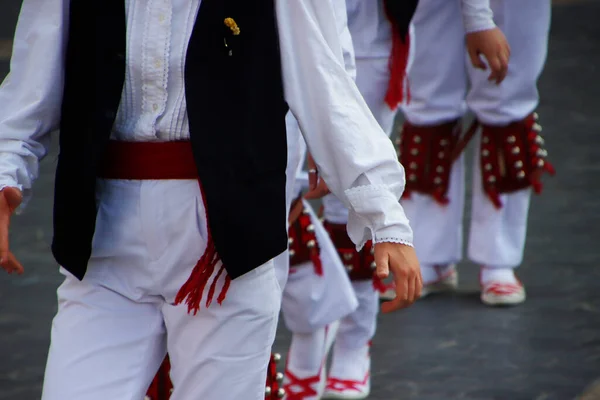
[
  {"x": 148, "y": 160},
  {"x": 168, "y": 160}
]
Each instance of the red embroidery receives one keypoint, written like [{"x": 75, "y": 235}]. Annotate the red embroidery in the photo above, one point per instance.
[
  {"x": 303, "y": 243},
  {"x": 299, "y": 389},
  {"x": 503, "y": 289},
  {"x": 341, "y": 385},
  {"x": 513, "y": 158},
  {"x": 361, "y": 265},
  {"x": 426, "y": 154}
]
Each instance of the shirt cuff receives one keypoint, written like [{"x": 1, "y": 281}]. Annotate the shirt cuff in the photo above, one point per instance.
[
  {"x": 477, "y": 16},
  {"x": 14, "y": 173},
  {"x": 376, "y": 214}
]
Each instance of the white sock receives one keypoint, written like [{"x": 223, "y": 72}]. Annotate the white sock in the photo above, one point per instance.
[
  {"x": 433, "y": 273},
  {"x": 498, "y": 275},
  {"x": 306, "y": 351}
]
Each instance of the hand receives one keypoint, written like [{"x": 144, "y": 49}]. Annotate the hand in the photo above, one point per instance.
[
  {"x": 402, "y": 261},
  {"x": 492, "y": 44},
  {"x": 317, "y": 186},
  {"x": 10, "y": 199}
]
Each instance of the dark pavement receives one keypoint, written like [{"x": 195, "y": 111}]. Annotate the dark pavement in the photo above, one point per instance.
[{"x": 446, "y": 347}]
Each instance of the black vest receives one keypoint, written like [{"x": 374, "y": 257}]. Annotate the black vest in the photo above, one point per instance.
[
  {"x": 401, "y": 12},
  {"x": 236, "y": 112}
]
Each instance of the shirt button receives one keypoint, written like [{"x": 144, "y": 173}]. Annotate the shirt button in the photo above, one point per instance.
[
  {"x": 158, "y": 64},
  {"x": 161, "y": 18},
  {"x": 155, "y": 107}
]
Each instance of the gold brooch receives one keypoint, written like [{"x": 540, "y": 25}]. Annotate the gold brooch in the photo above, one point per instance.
[{"x": 231, "y": 24}]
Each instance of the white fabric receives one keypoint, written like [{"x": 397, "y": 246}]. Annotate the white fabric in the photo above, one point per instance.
[
  {"x": 311, "y": 301},
  {"x": 497, "y": 237},
  {"x": 371, "y": 29},
  {"x": 477, "y": 15},
  {"x": 306, "y": 289},
  {"x": 338, "y": 126},
  {"x": 110, "y": 333},
  {"x": 358, "y": 328},
  {"x": 153, "y": 104},
  {"x": 497, "y": 275},
  {"x": 341, "y": 17},
  {"x": 335, "y": 120}
]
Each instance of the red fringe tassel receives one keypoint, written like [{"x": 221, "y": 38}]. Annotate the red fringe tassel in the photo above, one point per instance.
[
  {"x": 192, "y": 290},
  {"x": 397, "y": 65}
]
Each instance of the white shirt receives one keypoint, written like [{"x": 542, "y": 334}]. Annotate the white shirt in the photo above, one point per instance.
[
  {"x": 354, "y": 155},
  {"x": 372, "y": 32}
]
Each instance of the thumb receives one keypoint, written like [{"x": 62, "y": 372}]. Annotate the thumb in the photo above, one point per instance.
[
  {"x": 382, "y": 260},
  {"x": 476, "y": 60}
]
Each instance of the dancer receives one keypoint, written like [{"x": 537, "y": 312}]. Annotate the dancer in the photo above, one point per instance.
[
  {"x": 382, "y": 42},
  {"x": 509, "y": 158}
]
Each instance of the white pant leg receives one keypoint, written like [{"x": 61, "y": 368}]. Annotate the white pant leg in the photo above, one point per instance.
[
  {"x": 438, "y": 84},
  {"x": 498, "y": 236},
  {"x": 526, "y": 25},
  {"x": 104, "y": 345},
  {"x": 437, "y": 229},
  {"x": 223, "y": 352},
  {"x": 372, "y": 80},
  {"x": 334, "y": 210},
  {"x": 437, "y": 76},
  {"x": 107, "y": 340},
  {"x": 358, "y": 327},
  {"x": 312, "y": 301}
]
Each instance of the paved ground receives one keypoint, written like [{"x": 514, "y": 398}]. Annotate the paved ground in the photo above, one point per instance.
[{"x": 444, "y": 348}]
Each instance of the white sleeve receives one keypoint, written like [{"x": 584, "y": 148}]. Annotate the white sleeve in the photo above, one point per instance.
[
  {"x": 355, "y": 157},
  {"x": 30, "y": 96},
  {"x": 477, "y": 15},
  {"x": 341, "y": 15}
]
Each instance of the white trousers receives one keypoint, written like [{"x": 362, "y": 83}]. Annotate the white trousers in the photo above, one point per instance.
[
  {"x": 438, "y": 82},
  {"x": 113, "y": 329},
  {"x": 311, "y": 301}
]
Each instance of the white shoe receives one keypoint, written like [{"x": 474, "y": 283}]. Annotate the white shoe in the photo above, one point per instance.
[
  {"x": 350, "y": 376},
  {"x": 502, "y": 294},
  {"x": 447, "y": 282}
]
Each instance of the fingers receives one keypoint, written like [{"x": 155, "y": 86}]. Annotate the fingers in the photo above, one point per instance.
[
  {"x": 11, "y": 265},
  {"x": 476, "y": 59},
  {"x": 313, "y": 179},
  {"x": 4, "y": 224},
  {"x": 319, "y": 191},
  {"x": 10, "y": 199},
  {"x": 408, "y": 290},
  {"x": 499, "y": 68},
  {"x": 418, "y": 286}
]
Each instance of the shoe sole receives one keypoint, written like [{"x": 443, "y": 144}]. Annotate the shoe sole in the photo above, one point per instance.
[
  {"x": 449, "y": 284},
  {"x": 341, "y": 396},
  {"x": 500, "y": 301}
]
